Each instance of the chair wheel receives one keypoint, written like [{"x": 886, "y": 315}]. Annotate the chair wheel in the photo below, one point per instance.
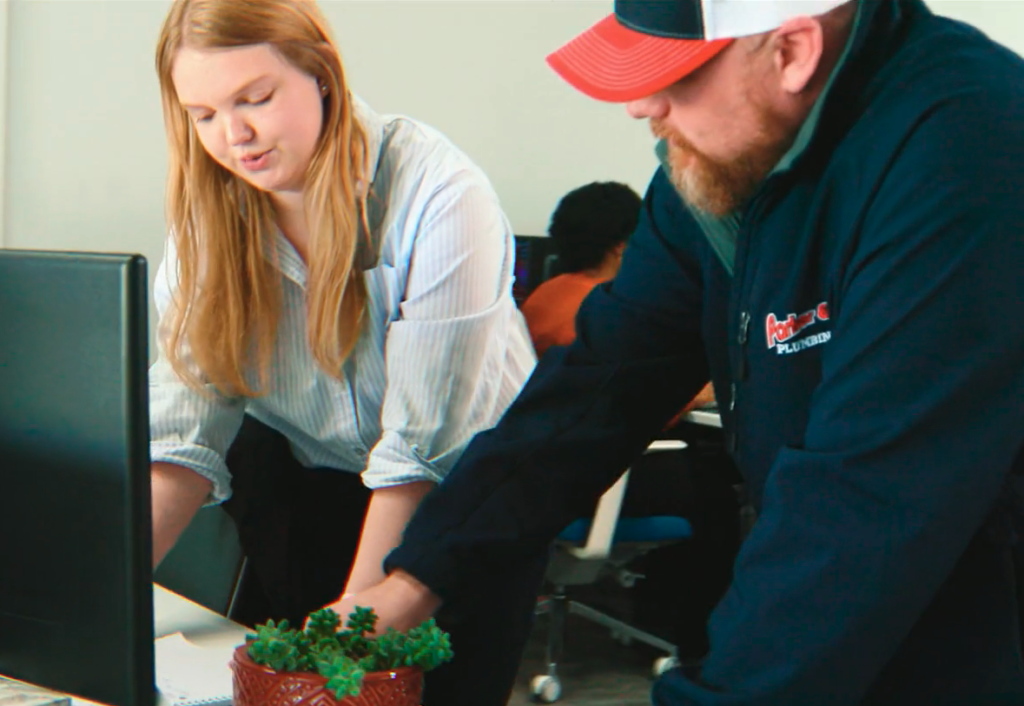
[
  {"x": 545, "y": 688},
  {"x": 664, "y": 664}
]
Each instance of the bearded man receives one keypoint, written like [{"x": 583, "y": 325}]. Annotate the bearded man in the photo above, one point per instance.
[{"x": 835, "y": 238}]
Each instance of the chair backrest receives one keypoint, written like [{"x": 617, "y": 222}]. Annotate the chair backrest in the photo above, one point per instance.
[
  {"x": 536, "y": 262},
  {"x": 602, "y": 527},
  {"x": 588, "y": 546},
  {"x": 205, "y": 564}
]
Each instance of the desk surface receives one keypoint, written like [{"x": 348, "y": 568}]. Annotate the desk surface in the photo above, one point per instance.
[{"x": 173, "y": 613}]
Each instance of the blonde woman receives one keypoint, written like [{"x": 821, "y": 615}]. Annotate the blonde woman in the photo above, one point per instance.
[{"x": 336, "y": 322}]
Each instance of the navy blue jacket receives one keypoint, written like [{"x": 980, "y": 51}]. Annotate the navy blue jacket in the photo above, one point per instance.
[{"x": 868, "y": 355}]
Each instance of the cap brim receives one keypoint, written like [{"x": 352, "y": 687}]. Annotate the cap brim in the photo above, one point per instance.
[{"x": 613, "y": 63}]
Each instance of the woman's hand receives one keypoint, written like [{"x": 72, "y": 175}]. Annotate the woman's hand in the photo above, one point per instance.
[{"x": 400, "y": 602}]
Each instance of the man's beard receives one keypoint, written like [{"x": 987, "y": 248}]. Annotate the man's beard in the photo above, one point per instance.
[{"x": 719, "y": 187}]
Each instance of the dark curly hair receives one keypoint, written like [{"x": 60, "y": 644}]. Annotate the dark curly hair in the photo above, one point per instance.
[{"x": 589, "y": 222}]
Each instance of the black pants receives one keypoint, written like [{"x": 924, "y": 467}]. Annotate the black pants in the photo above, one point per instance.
[
  {"x": 300, "y": 530},
  {"x": 686, "y": 580}
]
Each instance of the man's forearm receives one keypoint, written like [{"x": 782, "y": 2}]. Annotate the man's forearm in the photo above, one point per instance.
[
  {"x": 178, "y": 493},
  {"x": 386, "y": 518}
]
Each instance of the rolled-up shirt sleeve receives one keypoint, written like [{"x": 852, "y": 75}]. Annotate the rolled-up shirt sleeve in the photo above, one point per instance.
[
  {"x": 586, "y": 412},
  {"x": 446, "y": 353},
  {"x": 187, "y": 427}
]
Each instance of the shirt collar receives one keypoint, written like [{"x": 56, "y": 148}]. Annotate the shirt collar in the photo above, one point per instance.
[
  {"x": 288, "y": 260},
  {"x": 373, "y": 128}
]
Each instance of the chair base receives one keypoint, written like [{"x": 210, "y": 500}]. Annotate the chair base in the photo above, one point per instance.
[
  {"x": 547, "y": 688},
  {"x": 620, "y": 630}
]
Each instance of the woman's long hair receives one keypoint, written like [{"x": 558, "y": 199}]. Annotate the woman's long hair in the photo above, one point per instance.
[{"x": 228, "y": 300}]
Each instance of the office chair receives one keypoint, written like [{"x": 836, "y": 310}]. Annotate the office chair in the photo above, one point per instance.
[
  {"x": 207, "y": 563},
  {"x": 590, "y": 548}
]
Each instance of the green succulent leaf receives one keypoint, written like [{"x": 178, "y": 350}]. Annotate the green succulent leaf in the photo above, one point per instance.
[
  {"x": 391, "y": 651},
  {"x": 344, "y": 675},
  {"x": 279, "y": 647},
  {"x": 430, "y": 647},
  {"x": 322, "y": 623},
  {"x": 344, "y": 657},
  {"x": 362, "y": 620}
]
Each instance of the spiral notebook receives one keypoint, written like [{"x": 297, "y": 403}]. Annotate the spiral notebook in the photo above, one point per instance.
[{"x": 188, "y": 674}]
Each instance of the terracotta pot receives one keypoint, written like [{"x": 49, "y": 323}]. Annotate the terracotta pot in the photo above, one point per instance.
[{"x": 258, "y": 685}]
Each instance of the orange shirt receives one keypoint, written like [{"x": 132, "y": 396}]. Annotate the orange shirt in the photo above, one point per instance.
[{"x": 550, "y": 312}]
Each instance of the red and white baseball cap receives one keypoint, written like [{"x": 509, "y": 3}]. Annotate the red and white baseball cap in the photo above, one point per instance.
[{"x": 648, "y": 45}]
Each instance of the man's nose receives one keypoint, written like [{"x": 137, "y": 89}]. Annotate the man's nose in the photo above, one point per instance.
[{"x": 649, "y": 107}]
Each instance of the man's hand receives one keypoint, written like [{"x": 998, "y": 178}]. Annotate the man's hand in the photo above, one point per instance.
[{"x": 400, "y": 602}]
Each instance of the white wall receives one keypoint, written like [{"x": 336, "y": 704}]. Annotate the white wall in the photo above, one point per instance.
[
  {"x": 476, "y": 70},
  {"x": 1002, "y": 20},
  {"x": 4, "y": 47},
  {"x": 86, "y": 153},
  {"x": 85, "y": 144},
  {"x": 85, "y": 149}
]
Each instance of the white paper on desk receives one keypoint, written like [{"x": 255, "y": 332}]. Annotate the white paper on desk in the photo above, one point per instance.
[
  {"x": 18, "y": 693},
  {"x": 188, "y": 674}
]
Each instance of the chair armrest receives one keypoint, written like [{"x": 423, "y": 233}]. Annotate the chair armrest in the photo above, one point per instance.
[
  {"x": 602, "y": 527},
  {"x": 665, "y": 445},
  {"x": 606, "y": 517}
]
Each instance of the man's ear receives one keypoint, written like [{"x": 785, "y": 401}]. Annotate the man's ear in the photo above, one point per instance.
[{"x": 797, "y": 48}]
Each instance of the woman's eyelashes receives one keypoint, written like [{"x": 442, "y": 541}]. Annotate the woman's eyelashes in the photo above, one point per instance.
[{"x": 261, "y": 99}]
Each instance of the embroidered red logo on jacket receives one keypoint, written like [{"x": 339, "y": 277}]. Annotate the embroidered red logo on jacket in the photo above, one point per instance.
[{"x": 782, "y": 331}]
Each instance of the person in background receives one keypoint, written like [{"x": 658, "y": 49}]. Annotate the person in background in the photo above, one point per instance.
[
  {"x": 835, "y": 237},
  {"x": 336, "y": 322},
  {"x": 591, "y": 226}
]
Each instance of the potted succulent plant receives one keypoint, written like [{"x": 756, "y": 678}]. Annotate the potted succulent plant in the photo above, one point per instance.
[{"x": 324, "y": 665}]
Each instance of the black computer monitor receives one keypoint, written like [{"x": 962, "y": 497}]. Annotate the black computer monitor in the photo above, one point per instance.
[
  {"x": 536, "y": 262},
  {"x": 76, "y": 592}
]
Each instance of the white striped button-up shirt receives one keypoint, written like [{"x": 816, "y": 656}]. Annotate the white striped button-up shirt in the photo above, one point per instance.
[{"x": 443, "y": 351}]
